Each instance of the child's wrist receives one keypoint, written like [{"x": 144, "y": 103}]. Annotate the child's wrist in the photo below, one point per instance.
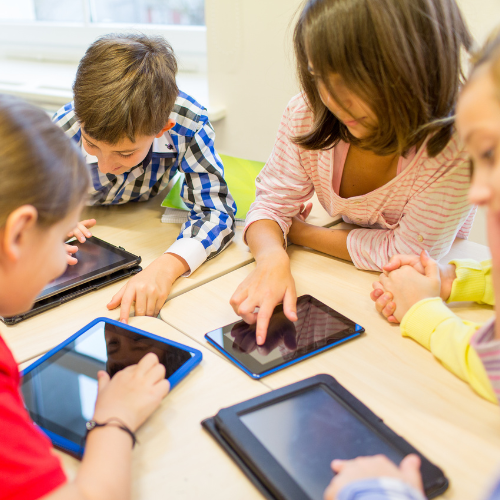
[{"x": 448, "y": 276}]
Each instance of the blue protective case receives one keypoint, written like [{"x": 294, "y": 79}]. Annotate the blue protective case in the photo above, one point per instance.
[
  {"x": 255, "y": 376},
  {"x": 70, "y": 447}
]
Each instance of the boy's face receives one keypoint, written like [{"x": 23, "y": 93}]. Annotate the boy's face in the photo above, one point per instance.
[
  {"x": 478, "y": 122},
  {"x": 118, "y": 158}
]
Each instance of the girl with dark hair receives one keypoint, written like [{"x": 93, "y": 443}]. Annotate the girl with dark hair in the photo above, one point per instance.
[{"x": 373, "y": 134}]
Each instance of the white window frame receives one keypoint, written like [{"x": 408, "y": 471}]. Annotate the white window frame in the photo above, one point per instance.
[{"x": 67, "y": 42}]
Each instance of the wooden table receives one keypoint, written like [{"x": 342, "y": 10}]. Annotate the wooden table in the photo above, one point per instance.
[
  {"x": 175, "y": 457},
  {"x": 397, "y": 378},
  {"x": 137, "y": 227}
]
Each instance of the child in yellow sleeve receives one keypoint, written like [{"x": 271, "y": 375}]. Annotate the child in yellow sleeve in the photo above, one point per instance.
[{"x": 412, "y": 291}]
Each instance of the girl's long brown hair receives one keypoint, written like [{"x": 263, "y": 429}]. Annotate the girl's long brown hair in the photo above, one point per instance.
[{"x": 402, "y": 57}]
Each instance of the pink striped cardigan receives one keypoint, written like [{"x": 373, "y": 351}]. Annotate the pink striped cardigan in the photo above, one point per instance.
[{"x": 424, "y": 207}]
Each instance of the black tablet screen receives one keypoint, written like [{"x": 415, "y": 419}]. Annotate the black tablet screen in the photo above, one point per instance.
[
  {"x": 93, "y": 257},
  {"x": 317, "y": 326},
  {"x": 60, "y": 393},
  {"x": 305, "y": 432}
]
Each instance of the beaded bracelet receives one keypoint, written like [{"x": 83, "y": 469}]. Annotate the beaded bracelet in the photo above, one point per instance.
[{"x": 116, "y": 422}]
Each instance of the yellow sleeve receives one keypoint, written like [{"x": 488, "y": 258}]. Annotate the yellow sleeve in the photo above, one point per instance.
[
  {"x": 434, "y": 326},
  {"x": 473, "y": 282}
]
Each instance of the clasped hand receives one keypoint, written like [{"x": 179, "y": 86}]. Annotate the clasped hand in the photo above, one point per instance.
[{"x": 408, "y": 279}]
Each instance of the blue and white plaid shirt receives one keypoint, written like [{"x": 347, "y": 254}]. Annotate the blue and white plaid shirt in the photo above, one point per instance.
[{"x": 187, "y": 148}]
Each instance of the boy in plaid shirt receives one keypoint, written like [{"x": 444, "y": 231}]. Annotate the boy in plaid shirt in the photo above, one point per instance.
[{"x": 137, "y": 132}]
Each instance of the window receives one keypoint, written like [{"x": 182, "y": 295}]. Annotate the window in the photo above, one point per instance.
[
  {"x": 170, "y": 12},
  {"x": 62, "y": 29}
]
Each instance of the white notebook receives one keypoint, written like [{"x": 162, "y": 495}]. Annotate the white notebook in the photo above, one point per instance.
[{"x": 179, "y": 216}]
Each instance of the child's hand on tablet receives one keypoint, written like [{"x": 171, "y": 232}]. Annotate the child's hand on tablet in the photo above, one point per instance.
[
  {"x": 133, "y": 394},
  {"x": 269, "y": 284},
  {"x": 81, "y": 231},
  {"x": 378, "y": 466}
]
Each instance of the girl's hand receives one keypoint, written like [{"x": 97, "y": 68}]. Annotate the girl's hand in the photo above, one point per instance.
[
  {"x": 304, "y": 211},
  {"x": 408, "y": 286},
  {"x": 133, "y": 393},
  {"x": 81, "y": 231},
  {"x": 269, "y": 284},
  {"x": 384, "y": 300},
  {"x": 349, "y": 471}
]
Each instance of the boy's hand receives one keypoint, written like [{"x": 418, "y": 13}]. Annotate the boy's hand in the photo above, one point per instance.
[
  {"x": 384, "y": 300},
  {"x": 269, "y": 284},
  {"x": 408, "y": 286},
  {"x": 350, "y": 471},
  {"x": 149, "y": 289},
  {"x": 133, "y": 393},
  {"x": 81, "y": 231},
  {"x": 70, "y": 251}
]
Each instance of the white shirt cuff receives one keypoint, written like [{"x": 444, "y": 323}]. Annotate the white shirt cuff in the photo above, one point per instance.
[{"x": 191, "y": 250}]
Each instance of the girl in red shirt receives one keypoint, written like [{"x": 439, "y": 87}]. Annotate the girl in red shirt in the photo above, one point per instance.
[{"x": 44, "y": 181}]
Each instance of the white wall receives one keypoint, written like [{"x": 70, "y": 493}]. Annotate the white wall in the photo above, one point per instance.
[{"x": 251, "y": 70}]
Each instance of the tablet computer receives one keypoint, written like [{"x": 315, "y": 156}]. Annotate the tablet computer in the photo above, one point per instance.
[
  {"x": 317, "y": 328},
  {"x": 285, "y": 440},
  {"x": 99, "y": 264},
  {"x": 60, "y": 389}
]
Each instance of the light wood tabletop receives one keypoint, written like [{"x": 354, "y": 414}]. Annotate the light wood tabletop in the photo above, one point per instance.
[
  {"x": 176, "y": 458},
  {"x": 395, "y": 377},
  {"x": 137, "y": 227}
]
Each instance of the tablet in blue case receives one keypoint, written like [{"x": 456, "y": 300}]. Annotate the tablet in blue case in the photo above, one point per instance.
[
  {"x": 318, "y": 328},
  {"x": 60, "y": 388}
]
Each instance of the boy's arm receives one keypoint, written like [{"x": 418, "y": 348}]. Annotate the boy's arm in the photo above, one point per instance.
[
  {"x": 473, "y": 282},
  {"x": 210, "y": 226},
  {"x": 448, "y": 337}
]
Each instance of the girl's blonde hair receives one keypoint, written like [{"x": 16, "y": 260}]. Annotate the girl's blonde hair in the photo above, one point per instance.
[
  {"x": 402, "y": 57},
  {"x": 489, "y": 54},
  {"x": 39, "y": 165}
]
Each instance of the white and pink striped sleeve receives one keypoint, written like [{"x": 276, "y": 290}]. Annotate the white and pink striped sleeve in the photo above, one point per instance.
[
  {"x": 488, "y": 350},
  {"x": 436, "y": 212},
  {"x": 283, "y": 184}
]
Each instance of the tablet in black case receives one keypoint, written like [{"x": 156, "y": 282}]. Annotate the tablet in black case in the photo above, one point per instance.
[
  {"x": 99, "y": 264},
  {"x": 285, "y": 440}
]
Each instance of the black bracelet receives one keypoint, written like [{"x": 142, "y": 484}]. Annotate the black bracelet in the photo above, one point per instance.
[{"x": 116, "y": 422}]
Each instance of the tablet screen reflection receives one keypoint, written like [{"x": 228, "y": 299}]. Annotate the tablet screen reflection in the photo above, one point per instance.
[
  {"x": 60, "y": 394},
  {"x": 314, "y": 328},
  {"x": 125, "y": 348}
]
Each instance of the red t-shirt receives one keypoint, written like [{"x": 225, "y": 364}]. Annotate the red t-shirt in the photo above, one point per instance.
[{"x": 28, "y": 468}]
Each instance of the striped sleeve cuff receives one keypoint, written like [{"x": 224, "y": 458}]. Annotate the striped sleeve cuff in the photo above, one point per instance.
[
  {"x": 470, "y": 283},
  {"x": 423, "y": 318},
  {"x": 384, "y": 488},
  {"x": 488, "y": 350}
]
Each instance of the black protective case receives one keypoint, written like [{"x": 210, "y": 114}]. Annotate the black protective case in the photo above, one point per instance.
[
  {"x": 77, "y": 290},
  {"x": 267, "y": 475}
]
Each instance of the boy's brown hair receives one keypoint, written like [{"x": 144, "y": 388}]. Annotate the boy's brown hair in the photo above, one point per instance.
[
  {"x": 39, "y": 165},
  {"x": 402, "y": 57},
  {"x": 125, "y": 87}
]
